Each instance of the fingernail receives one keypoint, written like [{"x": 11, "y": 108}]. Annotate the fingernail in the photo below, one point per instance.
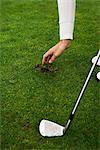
[{"x": 50, "y": 61}]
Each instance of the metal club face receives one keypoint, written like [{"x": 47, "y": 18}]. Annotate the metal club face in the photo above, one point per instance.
[{"x": 50, "y": 129}]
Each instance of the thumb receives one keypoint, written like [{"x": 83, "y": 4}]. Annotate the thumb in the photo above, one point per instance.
[{"x": 52, "y": 59}]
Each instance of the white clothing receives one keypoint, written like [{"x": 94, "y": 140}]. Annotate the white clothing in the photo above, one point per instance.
[
  {"x": 98, "y": 76},
  {"x": 66, "y": 9},
  {"x": 98, "y": 64},
  {"x": 94, "y": 60}
]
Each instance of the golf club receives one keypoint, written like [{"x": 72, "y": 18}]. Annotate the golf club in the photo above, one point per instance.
[{"x": 50, "y": 129}]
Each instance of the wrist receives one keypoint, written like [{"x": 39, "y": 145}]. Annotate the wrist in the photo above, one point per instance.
[{"x": 66, "y": 42}]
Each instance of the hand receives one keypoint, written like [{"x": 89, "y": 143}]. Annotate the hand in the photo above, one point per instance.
[{"x": 55, "y": 51}]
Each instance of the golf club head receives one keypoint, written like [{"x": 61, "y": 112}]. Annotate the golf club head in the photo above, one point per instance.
[{"x": 50, "y": 129}]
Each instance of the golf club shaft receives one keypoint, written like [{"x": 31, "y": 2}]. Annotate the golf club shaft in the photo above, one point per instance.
[{"x": 81, "y": 93}]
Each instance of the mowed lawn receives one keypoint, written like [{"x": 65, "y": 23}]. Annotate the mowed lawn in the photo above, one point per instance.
[{"x": 28, "y": 29}]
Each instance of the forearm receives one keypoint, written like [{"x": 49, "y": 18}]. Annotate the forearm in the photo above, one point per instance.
[{"x": 66, "y": 9}]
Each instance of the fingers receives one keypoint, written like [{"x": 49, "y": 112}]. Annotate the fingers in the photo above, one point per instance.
[
  {"x": 44, "y": 60},
  {"x": 55, "y": 51},
  {"x": 46, "y": 56},
  {"x": 52, "y": 59}
]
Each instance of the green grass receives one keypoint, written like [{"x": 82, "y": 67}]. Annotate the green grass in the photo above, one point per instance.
[{"x": 28, "y": 29}]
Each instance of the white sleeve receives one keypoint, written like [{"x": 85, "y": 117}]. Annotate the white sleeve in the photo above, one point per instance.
[{"x": 66, "y": 9}]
